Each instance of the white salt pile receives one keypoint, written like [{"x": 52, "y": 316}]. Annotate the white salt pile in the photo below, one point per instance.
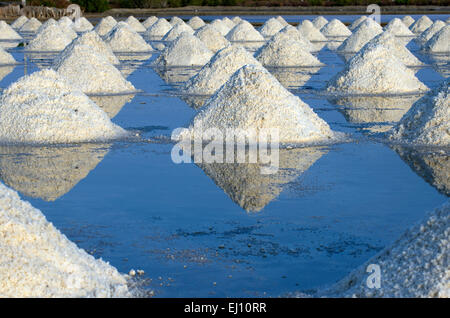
[
  {"x": 186, "y": 50},
  {"x": 68, "y": 30},
  {"x": 439, "y": 43},
  {"x": 357, "y": 22},
  {"x": 407, "y": 20},
  {"x": 335, "y": 28},
  {"x": 294, "y": 34},
  {"x": 196, "y": 23},
  {"x": 44, "y": 108},
  {"x": 36, "y": 260},
  {"x": 236, "y": 20},
  {"x": 32, "y": 25},
  {"x": 176, "y": 30},
  {"x": 50, "y": 21},
  {"x": 282, "y": 20},
  {"x": 6, "y": 58},
  {"x": 149, "y": 22},
  {"x": 396, "y": 27},
  {"x": 244, "y": 31},
  {"x": 421, "y": 24},
  {"x": 17, "y": 24},
  {"x": 253, "y": 98},
  {"x": 8, "y": 33},
  {"x": 228, "y": 22},
  {"x": 270, "y": 27},
  {"x": 212, "y": 38},
  {"x": 176, "y": 20},
  {"x": 105, "y": 25},
  {"x": 432, "y": 30},
  {"x": 427, "y": 122},
  {"x": 375, "y": 70},
  {"x": 65, "y": 21},
  {"x": 218, "y": 70},
  {"x": 82, "y": 25},
  {"x": 309, "y": 31},
  {"x": 284, "y": 51},
  {"x": 51, "y": 38},
  {"x": 135, "y": 24},
  {"x": 365, "y": 32},
  {"x": 122, "y": 38},
  {"x": 319, "y": 22},
  {"x": 220, "y": 26},
  {"x": 158, "y": 29}
]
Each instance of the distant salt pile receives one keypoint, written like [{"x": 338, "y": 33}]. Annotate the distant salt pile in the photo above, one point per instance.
[
  {"x": 335, "y": 28},
  {"x": 8, "y": 33},
  {"x": 82, "y": 25},
  {"x": 105, "y": 25},
  {"x": 6, "y": 58},
  {"x": 439, "y": 43},
  {"x": 407, "y": 20},
  {"x": 65, "y": 21},
  {"x": 432, "y": 30},
  {"x": 50, "y": 21},
  {"x": 36, "y": 260},
  {"x": 68, "y": 30},
  {"x": 421, "y": 24},
  {"x": 253, "y": 98},
  {"x": 396, "y": 27},
  {"x": 294, "y": 34},
  {"x": 17, "y": 24},
  {"x": 319, "y": 22},
  {"x": 309, "y": 31},
  {"x": 149, "y": 22},
  {"x": 220, "y": 26},
  {"x": 196, "y": 23},
  {"x": 175, "y": 20},
  {"x": 228, "y": 22},
  {"x": 282, "y": 20},
  {"x": 122, "y": 38},
  {"x": 284, "y": 51},
  {"x": 365, "y": 32},
  {"x": 32, "y": 25},
  {"x": 270, "y": 27},
  {"x": 375, "y": 70},
  {"x": 244, "y": 31},
  {"x": 51, "y": 38},
  {"x": 357, "y": 22},
  {"x": 218, "y": 70},
  {"x": 427, "y": 122},
  {"x": 44, "y": 108},
  {"x": 135, "y": 24},
  {"x": 186, "y": 50},
  {"x": 176, "y": 30},
  {"x": 211, "y": 38},
  {"x": 236, "y": 20},
  {"x": 158, "y": 29}
]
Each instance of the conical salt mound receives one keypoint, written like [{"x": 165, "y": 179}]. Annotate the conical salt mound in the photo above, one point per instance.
[
  {"x": 196, "y": 23},
  {"x": 51, "y": 38},
  {"x": 282, "y": 20},
  {"x": 122, "y": 38},
  {"x": 244, "y": 31},
  {"x": 335, "y": 28},
  {"x": 407, "y": 20},
  {"x": 294, "y": 34},
  {"x": 309, "y": 31},
  {"x": 270, "y": 27},
  {"x": 432, "y": 30},
  {"x": 82, "y": 25},
  {"x": 236, "y": 20},
  {"x": 44, "y": 108},
  {"x": 319, "y": 22},
  {"x": 149, "y": 22},
  {"x": 421, "y": 24},
  {"x": 253, "y": 99},
  {"x": 176, "y": 30},
  {"x": 396, "y": 27},
  {"x": 50, "y": 21},
  {"x": 17, "y": 24},
  {"x": 220, "y": 26},
  {"x": 8, "y": 33},
  {"x": 230, "y": 24},
  {"x": 186, "y": 50},
  {"x": 105, "y": 25},
  {"x": 439, "y": 43},
  {"x": 68, "y": 30},
  {"x": 175, "y": 20},
  {"x": 357, "y": 22},
  {"x": 135, "y": 24},
  {"x": 90, "y": 71},
  {"x": 6, "y": 58},
  {"x": 212, "y": 38},
  {"x": 365, "y": 32},
  {"x": 427, "y": 122},
  {"x": 65, "y": 21},
  {"x": 32, "y": 25},
  {"x": 218, "y": 70},
  {"x": 283, "y": 51},
  {"x": 158, "y": 29},
  {"x": 375, "y": 70}
]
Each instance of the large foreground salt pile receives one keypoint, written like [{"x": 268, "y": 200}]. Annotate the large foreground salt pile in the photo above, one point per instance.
[
  {"x": 7, "y": 32},
  {"x": 158, "y": 29},
  {"x": 396, "y": 27},
  {"x": 186, "y": 50},
  {"x": 319, "y": 22},
  {"x": 365, "y": 32},
  {"x": 335, "y": 28},
  {"x": 82, "y": 25},
  {"x": 17, "y": 24},
  {"x": 245, "y": 32},
  {"x": 432, "y": 30},
  {"x": 375, "y": 70},
  {"x": 427, "y": 122},
  {"x": 421, "y": 24},
  {"x": 212, "y": 38},
  {"x": 105, "y": 25},
  {"x": 44, "y": 108},
  {"x": 149, "y": 21},
  {"x": 357, "y": 22},
  {"x": 439, "y": 43},
  {"x": 253, "y": 99},
  {"x": 6, "y": 58},
  {"x": 32, "y": 25},
  {"x": 50, "y": 38},
  {"x": 135, "y": 24},
  {"x": 92, "y": 39},
  {"x": 176, "y": 30},
  {"x": 220, "y": 26},
  {"x": 36, "y": 260},
  {"x": 122, "y": 38},
  {"x": 309, "y": 31},
  {"x": 196, "y": 23},
  {"x": 270, "y": 27},
  {"x": 407, "y": 20}
]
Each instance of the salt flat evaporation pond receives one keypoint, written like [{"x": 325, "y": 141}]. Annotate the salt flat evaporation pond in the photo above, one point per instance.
[{"x": 196, "y": 230}]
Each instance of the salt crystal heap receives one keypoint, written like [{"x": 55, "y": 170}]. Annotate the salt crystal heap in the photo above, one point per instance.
[
  {"x": 220, "y": 26},
  {"x": 421, "y": 24},
  {"x": 335, "y": 28},
  {"x": 253, "y": 99},
  {"x": 82, "y": 25},
  {"x": 50, "y": 39},
  {"x": 282, "y": 20},
  {"x": 175, "y": 20},
  {"x": 17, "y": 24},
  {"x": 211, "y": 37},
  {"x": 270, "y": 27},
  {"x": 186, "y": 50},
  {"x": 294, "y": 34},
  {"x": 229, "y": 23},
  {"x": 244, "y": 32},
  {"x": 65, "y": 21},
  {"x": 149, "y": 22},
  {"x": 284, "y": 51},
  {"x": 365, "y": 32},
  {"x": 396, "y": 27},
  {"x": 196, "y": 23},
  {"x": 158, "y": 29},
  {"x": 407, "y": 20},
  {"x": 6, "y": 58},
  {"x": 432, "y": 30},
  {"x": 236, "y": 20},
  {"x": 68, "y": 30},
  {"x": 357, "y": 22},
  {"x": 32, "y": 25},
  {"x": 375, "y": 70},
  {"x": 135, "y": 24},
  {"x": 309, "y": 31},
  {"x": 50, "y": 21},
  {"x": 44, "y": 108},
  {"x": 319, "y": 22},
  {"x": 218, "y": 70},
  {"x": 176, "y": 30},
  {"x": 427, "y": 122},
  {"x": 8, "y": 33},
  {"x": 439, "y": 43},
  {"x": 105, "y": 25},
  {"x": 122, "y": 38}
]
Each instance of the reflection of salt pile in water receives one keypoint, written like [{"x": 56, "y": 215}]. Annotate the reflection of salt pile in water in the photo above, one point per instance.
[
  {"x": 220, "y": 26},
  {"x": 319, "y": 22},
  {"x": 8, "y": 33},
  {"x": 122, "y": 38},
  {"x": 135, "y": 24},
  {"x": 105, "y": 25},
  {"x": 415, "y": 265},
  {"x": 253, "y": 99},
  {"x": 407, "y": 20},
  {"x": 158, "y": 29},
  {"x": 432, "y": 30},
  {"x": 82, "y": 25},
  {"x": 6, "y": 58},
  {"x": 439, "y": 43},
  {"x": 51, "y": 38},
  {"x": 375, "y": 70},
  {"x": 427, "y": 122},
  {"x": 44, "y": 108},
  {"x": 421, "y": 24},
  {"x": 48, "y": 172},
  {"x": 92, "y": 39},
  {"x": 176, "y": 76},
  {"x": 5, "y": 71},
  {"x": 244, "y": 32},
  {"x": 365, "y": 32},
  {"x": 270, "y": 27},
  {"x": 293, "y": 77},
  {"x": 36, "y": 260},
  {"x": 112, "y": 104},
  {"x": 176, "y": 30},
  {"x": 212, "y": 38},
  {"x": 396, "y": 27},
  {"x": 335, "y": 28},
  {"x": 186, "y": 50},
  {"x": 309, "y": 31},
  {"x": 357, "y": 22},
  {"x": 149, "y": 21},
  {"x": 196, "y": 23},
  {"x": 32, "y": 25}
]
